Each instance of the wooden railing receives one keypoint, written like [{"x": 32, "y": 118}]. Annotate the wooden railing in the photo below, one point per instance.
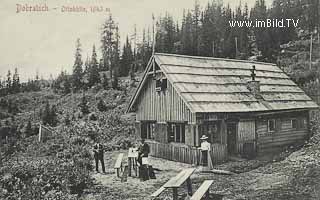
[{"x": 186, "y": 154}]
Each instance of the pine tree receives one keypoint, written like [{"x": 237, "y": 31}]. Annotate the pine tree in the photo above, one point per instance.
[
  {"x": 15, "y": 82},
  {"x": 84, "y": 105},
  {"x": 186, "y": 34},
  {"x": 196, "y": 28},
  {"x": 126, "y": 59},
  {"x": 77, "y": 67},
  {"x": 115, "y": 81},
  {"x": 66, "y": 85},
  {"x": 105, "y": 81},
  {"x": 37, "y": 86},
  {"x": 87, "y": 65},
  {"x": 110, "y": 44},
  {"x": 9, "y": 82},
  {"x": 94, "y": 76},
  {"x": 101, "y": 65}
]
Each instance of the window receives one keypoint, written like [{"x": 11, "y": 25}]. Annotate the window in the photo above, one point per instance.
[
  {"x": 304, "y": 123},
  {"x": 271, "y": 125},
  {"x": 211, "y": 130},
  {"x": 294, "y": 123},
  {"x": 158, "y": 85},
  {"x": 148, "y": 130},
  {"x": 176, "y": 132},
  {"x": 161, "y": 84}
]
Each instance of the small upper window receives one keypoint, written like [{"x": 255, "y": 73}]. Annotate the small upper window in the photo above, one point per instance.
[
  {"x": 271, "y": 125},
  {"x": 161, "y": 84},
  {"x": 294, "y": 123}
]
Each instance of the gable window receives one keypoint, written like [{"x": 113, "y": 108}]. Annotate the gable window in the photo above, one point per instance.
[
  {"x": 294, "y": 123},
  {"x": 271, "y": 125},
  {"x": 176, "y": 132},
  {"x": 161, "y": 84}
]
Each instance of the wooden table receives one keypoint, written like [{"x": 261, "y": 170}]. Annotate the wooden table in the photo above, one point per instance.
[
  {"x": 178, "y": 180},
  {"x": 132, "y": 160}
]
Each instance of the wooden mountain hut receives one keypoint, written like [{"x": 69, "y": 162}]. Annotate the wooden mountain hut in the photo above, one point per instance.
[{"x": 244, "y": 107}]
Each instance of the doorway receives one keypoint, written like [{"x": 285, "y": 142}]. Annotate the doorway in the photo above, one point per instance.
[{"x": 232, "y": 138}]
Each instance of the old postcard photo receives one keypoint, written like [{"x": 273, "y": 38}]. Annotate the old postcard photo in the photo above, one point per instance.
[{"x": 150, "y": 99}]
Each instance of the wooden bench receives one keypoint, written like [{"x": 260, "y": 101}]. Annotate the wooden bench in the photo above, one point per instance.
[
  {"x": 176, "y": 182},
  {"x": 203, "y": 190},
  {"x": 158, "y": 192},
  {"x": 118, "y": 164}
]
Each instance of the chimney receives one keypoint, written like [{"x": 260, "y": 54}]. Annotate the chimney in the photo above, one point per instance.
[{"x": 253, "y": 85}]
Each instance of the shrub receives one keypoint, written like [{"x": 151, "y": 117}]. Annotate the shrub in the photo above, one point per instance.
[{"x": 101, "y": 106}]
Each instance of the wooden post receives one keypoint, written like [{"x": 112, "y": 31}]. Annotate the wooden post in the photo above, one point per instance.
[
  {"x": 207, "y": 195},
  {"x": 236, "y": 42},
  {"x": 118, "y": 173},
  {"x": 129, "y": 166},
  {"x": 175, "y": 193},
  {"x": 135, "y": 166},
  {"x": 189, "y": 186},
  {"x": 124, "y": 176},
  {"x": 213, "y": 48}
]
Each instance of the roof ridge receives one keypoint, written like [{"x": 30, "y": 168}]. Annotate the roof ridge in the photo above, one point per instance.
[{"x": 214, "y": 58}]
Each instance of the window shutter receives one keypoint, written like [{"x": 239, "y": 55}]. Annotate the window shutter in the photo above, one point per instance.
[
  {"x": 144, "y": 130},
  {"x": 278, "y": 124}
]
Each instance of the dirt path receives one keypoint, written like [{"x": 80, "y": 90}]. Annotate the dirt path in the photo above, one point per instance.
[{"x": 296, "y": 178}]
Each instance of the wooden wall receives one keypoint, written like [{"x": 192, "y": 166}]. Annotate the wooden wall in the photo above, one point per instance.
[
  {"x": 245, "y": 134},
  {"x": 185, "y": 153},
  {"x": 161, "y": 132},
  {"x": 162, "y": 106},
  {"x": 284, "y": 135}
]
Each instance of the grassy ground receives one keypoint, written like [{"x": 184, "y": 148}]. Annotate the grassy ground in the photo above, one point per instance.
[{"x": 297, "y": 177}]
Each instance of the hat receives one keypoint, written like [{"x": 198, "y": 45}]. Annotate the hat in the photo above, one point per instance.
[{"x": 203, "y": 137}]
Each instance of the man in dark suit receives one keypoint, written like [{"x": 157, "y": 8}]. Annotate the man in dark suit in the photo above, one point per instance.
[{"x": 98, "y": 156}]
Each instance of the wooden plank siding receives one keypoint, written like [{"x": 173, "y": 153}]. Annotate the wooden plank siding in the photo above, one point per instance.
[
  {"x": 246, "y": 134},
  {"x": 185, "y": 153},
  {"x": 161, "y": 130},
  {"x": 284, "y": 135},
  {"x": 162, "y": 106}
]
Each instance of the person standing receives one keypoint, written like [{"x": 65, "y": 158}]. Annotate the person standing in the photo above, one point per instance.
[
  {"x": 205, "y": 151},
  {"x": 143, "y": 153},
  {"x": 99, "y": 156}
]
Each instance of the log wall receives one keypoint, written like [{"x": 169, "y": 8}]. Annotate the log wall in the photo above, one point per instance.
[{"x": 284, "y": 135}]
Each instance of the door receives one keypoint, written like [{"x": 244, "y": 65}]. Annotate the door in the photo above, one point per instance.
[{"x": 232, "y": 138}]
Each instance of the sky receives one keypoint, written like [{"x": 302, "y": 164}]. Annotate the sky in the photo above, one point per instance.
[{"x": 44, "y": 42}]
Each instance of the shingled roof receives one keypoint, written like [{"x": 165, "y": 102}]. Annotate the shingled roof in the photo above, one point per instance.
[{"x": 220, "y": 85}]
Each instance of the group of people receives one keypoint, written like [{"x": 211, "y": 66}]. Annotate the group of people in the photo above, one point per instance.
[
  {"x": 142, "y": 160},
  {"x": 143, "y": 153}
]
